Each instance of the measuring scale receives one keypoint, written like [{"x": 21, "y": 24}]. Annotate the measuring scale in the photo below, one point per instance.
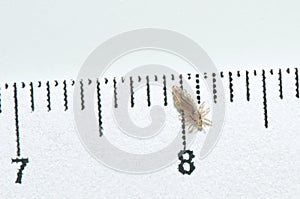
[{"x": 258, "y": 147}]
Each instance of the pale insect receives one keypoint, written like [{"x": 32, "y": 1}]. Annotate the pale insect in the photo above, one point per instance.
[{"x": 194, "y": 117}]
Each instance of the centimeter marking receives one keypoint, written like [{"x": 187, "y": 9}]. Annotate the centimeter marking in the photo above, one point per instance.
[
  {"x": 17, "y": 120},
  {"x": 48, "y": 96},
  {"x": 265, "y": 98},
  {"x": 182, "y": 117},
  {"x": 297, "y": 82},
  {"x": 198, "y": 88},
  {"x": 148, "y": 91},
  {"x": 214, "y": 87},
  {"x": 231, "y": 90},
  {"x": 230, "y": 86},
  {"x": 280, "y": 84},
  {"x": 165, "y": 91},
  {"x": 99, "y": 109},
  {"x": 115, "y": 93},
  {"x": 247, "y": 86},
  {"x": 82, "y": 95},
  {"x": 131, "y": 93},
  {"x": 65, "y": 95},
  {"x": 31, "y": 96},
  {"x": 24, "y": 161}
]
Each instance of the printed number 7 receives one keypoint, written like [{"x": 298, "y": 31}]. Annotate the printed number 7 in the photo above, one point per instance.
[{"x": 24, "y": 162}]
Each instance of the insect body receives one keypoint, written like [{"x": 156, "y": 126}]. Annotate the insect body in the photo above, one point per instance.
[{"x": 194, "y": 117}]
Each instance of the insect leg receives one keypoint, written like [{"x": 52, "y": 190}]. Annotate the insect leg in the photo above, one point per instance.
[
  {"x": 203, "y": 113},
  {"x": 201, "y": 106},
  {"x": 190, "y": 127},
  {"x": 207, "y": 121}
]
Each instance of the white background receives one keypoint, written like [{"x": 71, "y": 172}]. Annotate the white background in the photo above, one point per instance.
[
  {"x": 51, "y": 39},
  {"x": 42, "y": 40}
]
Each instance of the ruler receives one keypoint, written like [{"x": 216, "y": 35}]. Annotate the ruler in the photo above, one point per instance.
[{"x": 20, "y": 101}]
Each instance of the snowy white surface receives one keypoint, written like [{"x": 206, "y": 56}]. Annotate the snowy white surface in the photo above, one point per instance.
[
  {"x": 43, "y": 40},
  {"x": 249, "y": 161}
]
